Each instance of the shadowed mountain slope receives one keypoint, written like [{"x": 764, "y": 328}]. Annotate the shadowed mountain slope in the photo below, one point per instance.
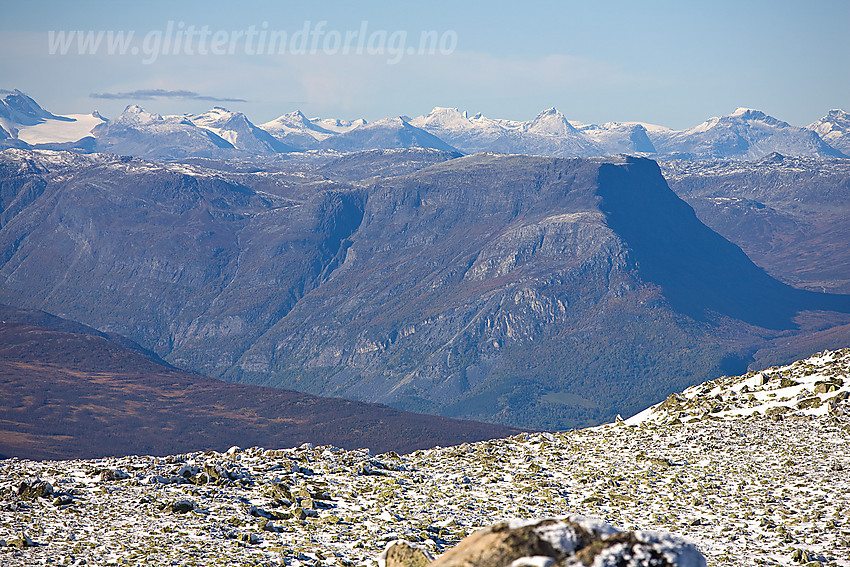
[
  {"x": 699, "y": 270},
  {"x": 66, "y": 391},
  {"x": 790, "y": 215}
]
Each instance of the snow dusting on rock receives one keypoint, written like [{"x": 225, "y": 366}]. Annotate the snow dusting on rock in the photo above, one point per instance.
[
  {"x": 817, "y": 386},
  {"x": 749, "y": 484}
]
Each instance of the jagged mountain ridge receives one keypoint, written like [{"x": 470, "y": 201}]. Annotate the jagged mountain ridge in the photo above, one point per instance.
[
  {"x": 505, "y": 288},
  {"x": 296, "y": 129},
  {"x": 140, "y": 133},
  {"x": 744, "y": 134},
  {"x": 550, "y": 133},
  {"x": 389, "y": 133},
  {"x": 239, "y": 131}
]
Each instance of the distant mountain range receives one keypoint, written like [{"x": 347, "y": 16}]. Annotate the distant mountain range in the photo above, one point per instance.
[
  {"x": 532, "y": 291},
  {"x": 745, "y": 134}
]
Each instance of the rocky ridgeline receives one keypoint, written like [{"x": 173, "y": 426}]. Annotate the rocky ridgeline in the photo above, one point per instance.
[
  {"x": 749, "y": 490},
  {"x": 817, "y": 386}
]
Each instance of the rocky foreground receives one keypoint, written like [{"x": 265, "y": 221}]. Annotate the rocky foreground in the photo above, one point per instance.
[{"x": 719, "y": 465}]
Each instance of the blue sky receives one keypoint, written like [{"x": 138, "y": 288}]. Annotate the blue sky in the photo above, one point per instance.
[{"x": 672, "y": 63}]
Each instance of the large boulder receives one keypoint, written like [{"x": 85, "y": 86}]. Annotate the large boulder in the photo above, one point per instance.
[
  {"x": 574, "y": 541},
  {"x": 33, "y": 488}
]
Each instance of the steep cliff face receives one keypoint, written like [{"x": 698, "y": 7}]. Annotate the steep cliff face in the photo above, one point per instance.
[
  {"x": 698, "y": 269},
  {"x": 532, "y": 291},
  {"x": 539, "y": 291},
  {"x": 453, "y": 273},
  {"x": 190, "y": 264}
]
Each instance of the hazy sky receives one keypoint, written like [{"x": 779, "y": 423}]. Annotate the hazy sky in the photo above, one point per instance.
[{"x": 673, "y": 63}]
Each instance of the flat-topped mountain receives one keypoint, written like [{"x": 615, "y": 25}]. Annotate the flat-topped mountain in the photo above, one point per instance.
[{"x": 531, "y": 291}]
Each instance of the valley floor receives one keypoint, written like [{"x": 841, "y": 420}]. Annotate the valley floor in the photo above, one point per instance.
[{"x": 749, "y": 492}]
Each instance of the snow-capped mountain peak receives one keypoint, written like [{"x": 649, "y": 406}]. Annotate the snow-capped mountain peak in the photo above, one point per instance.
[
  {"x": 215, "y": 118},
  {"x": 337, "y": 125},
  {"x": 294, "y": 119},
  {"x": 745, "y": 134},
  {"x": 25, "y": 120},
  {"x": 445, "y": 117},
  {"x": 238, "y": 131},
  {"x": 834, "y": 128},
  {"x": 618, "y": 137},
  {"x": 296, "y": 129},
  {"x": 751, "y": 114},
  {"x": 135, "y": 114},
  {"x": 742, "y": 110},
  {"x": 297, "y": 123},
  {"x": 551, "y": 122},
  {"x": 839, "y": 116},
  {"x": 388, "y": 133},
  {"x": 394, "y": 121},
  {"x": 18, "y": 109},
  {"x": 215, "y": 113}
]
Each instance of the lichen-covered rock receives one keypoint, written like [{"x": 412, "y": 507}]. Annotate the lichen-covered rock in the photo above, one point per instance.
[
  {"x": 108, "y": 475},
  {"x": 807, "y": 403},
  {"x": 775, "y": 411},
  {"x": 638, "y": 549},
  {"x": 401, "y": 553},
  {"x": 21, "y": 541},
  {"x": 35, "y": 488},
  {"x": 63, "y": 500},
  {"x": 574, "y": 541}
]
